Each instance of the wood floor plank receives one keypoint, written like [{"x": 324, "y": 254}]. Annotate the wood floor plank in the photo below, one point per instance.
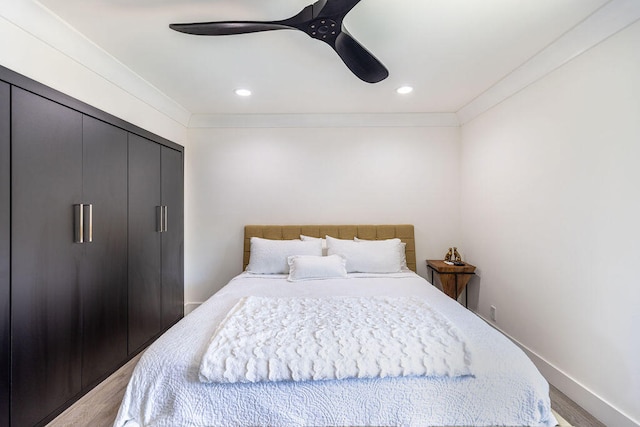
[
  {"x": 99, "y": 407},
  {"x": 571, "y": 411}
]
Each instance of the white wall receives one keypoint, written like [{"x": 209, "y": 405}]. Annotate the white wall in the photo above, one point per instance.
[
  {"x": 550, "y": 214},
  {"x": 314, "y": 176}
]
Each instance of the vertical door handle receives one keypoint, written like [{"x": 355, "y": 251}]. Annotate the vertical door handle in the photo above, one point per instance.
[
  {"x": 78, "y": 223},
  {"x": 159, "y": 218},
  {"x": 88, "y": 226},
  {"x": 165, "y": 220}
]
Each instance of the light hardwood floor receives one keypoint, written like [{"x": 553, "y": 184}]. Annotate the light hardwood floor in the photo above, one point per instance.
[
  {"x": 99, "y": 407},
  {"x": 570, "y": 411}
]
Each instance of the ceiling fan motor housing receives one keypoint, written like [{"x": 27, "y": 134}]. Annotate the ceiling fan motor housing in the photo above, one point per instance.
[{"x": 323, "y": 29}]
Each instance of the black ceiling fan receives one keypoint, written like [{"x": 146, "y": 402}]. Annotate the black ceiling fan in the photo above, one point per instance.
[{"x": 321, "y": 20}]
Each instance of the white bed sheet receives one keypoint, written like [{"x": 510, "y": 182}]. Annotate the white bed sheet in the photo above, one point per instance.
[{"x": 165, "y": 390}]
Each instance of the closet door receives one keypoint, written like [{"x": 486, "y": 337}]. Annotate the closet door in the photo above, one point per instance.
[
  {"x": 5, "y": 247},
  {"x": 46, "y": 183},
  {"x": 172, "y": 238},
  {"x": 145, "y": 285},
  {"x": 104, "y": 264}
]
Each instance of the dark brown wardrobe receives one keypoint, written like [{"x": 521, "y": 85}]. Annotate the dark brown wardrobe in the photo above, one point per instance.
[
  {"x": 91, "y": 252},
  {"x": 155, "y": 240},
  {"x": 5, "y": 248}
]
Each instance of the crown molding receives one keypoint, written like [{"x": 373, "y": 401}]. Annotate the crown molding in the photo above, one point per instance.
[
  {"x": 39, "y": 23},
  {"x": 323, "y": 120},
  {"x": 608, "y": 20}
]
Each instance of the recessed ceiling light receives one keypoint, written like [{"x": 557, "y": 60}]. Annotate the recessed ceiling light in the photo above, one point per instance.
[
  {"x": 243, "y": 92},
  {"x": 403, "y": 90}
]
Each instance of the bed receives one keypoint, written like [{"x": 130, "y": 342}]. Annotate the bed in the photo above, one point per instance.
[{"x": 191, "y": 377}]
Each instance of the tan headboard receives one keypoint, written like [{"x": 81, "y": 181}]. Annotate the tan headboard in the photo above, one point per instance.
[{"x": 368, "y": 232}]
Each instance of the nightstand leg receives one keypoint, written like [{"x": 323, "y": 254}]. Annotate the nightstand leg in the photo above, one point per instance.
[{"x": 456, "y": 280}]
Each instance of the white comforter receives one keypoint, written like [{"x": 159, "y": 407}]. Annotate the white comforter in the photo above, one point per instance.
[{"x": 165, "y": 389}]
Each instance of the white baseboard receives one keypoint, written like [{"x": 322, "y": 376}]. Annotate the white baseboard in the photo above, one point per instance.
[
  {"x": 587, "y": 399},
  {"x": 190, "y": 306}
]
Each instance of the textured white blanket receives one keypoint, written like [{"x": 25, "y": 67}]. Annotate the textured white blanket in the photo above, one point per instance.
[{"x": 298, "y": 339}]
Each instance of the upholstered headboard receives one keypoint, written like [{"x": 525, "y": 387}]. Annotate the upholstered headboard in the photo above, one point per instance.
[{"x": 368, "y": 232}]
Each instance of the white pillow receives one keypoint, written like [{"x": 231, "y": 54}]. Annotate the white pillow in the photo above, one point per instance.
[
  {"x": 403, "y": 252},
  {"x": 270, "y": 256},
  {"x": 368, "y": 256},
  {"x": 324, "y": 242},
  {"x": 309, "y": 267}
]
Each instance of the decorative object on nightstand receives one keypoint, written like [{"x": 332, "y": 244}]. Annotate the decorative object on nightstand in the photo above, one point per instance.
[
  {"x": 454, "y": 278},
  {"x": 453, "y": 257},
  {"x": 457, "y": 255}
]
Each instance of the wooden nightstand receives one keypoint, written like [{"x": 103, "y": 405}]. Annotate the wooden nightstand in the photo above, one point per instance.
[{"x": 453, "y": 278}]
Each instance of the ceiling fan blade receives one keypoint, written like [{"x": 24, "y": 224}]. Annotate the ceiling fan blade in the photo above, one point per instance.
[
  {"x": 327, "y": 8},
  {"x": 358, "y": 59},
  {"x": 224, "y": 28}
]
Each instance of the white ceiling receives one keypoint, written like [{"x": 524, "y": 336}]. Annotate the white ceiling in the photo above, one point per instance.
[{"x": 450, "y": 51}]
